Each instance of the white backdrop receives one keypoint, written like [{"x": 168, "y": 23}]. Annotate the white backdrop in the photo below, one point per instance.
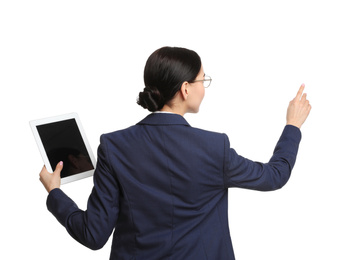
[{"x": 88, "y": 57}]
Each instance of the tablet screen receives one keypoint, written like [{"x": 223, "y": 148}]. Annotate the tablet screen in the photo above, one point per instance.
[{"x": 62, "y": 141}]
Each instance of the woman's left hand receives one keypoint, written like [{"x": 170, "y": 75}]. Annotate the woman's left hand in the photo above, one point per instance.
[{"x": 51, "y": 180}]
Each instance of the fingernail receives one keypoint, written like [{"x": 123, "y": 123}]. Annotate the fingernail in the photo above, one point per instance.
[{"x": 61, "y": 163}]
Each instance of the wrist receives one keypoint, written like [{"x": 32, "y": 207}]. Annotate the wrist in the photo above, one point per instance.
[{"x": 294, "y": 124}]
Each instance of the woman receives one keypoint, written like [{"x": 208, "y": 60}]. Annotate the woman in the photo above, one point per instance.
[{"x": 163, "y": 184}]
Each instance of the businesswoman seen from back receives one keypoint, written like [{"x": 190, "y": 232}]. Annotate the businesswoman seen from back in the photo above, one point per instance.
[{"x": 162, "y": 184}]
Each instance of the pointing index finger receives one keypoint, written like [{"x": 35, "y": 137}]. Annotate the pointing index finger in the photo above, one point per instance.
[{"x": 300, "y": 92}]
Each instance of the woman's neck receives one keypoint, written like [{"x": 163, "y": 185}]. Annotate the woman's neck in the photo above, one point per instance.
[{"x": 173, "y": 109}]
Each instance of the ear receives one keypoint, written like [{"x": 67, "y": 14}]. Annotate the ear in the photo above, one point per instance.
[{"x": 185, "y": 90}]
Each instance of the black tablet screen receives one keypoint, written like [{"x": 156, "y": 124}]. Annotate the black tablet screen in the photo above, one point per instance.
[{"x": 62, "y": 141}]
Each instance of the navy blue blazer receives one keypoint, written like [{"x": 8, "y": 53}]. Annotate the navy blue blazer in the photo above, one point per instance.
[{"x": 163, "y": 186}]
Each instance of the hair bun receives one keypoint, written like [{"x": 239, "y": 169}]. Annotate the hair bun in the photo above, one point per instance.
[{"x": 151, "y": 99}]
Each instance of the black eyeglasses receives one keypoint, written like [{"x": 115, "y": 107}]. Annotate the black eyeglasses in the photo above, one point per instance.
[{"x": 206, "y": 81}]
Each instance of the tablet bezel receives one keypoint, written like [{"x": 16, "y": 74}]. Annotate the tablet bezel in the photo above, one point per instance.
[{"x": 43, "y": 152}]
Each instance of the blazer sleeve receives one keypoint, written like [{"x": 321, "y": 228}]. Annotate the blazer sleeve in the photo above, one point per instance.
[
  {"x": 92, "y": 227},
  {"x": 244, "y": 173}
]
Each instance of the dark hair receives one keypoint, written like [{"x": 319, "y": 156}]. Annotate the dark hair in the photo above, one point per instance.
[{"x": 165, "y": 71}]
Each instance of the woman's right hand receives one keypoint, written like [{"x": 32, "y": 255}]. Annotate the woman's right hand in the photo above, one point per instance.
[
  {"x": 298, "y": 109},
  {"x": 51, "y": 180}
]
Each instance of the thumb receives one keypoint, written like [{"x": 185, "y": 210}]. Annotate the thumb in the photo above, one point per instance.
[{"x": 59, "y": 168}]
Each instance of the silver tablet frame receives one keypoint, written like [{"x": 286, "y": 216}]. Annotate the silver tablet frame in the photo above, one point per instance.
[{"x": 51, "y": 168}]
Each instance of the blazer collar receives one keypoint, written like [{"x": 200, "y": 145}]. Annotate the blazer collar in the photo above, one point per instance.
[{"x": 163, "y": 119}]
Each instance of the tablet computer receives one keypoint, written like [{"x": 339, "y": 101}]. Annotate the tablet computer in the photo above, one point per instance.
[{"x": 62, "y": 138}]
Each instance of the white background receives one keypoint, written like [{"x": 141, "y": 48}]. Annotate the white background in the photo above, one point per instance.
[{"x": 88, "y": 57}]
